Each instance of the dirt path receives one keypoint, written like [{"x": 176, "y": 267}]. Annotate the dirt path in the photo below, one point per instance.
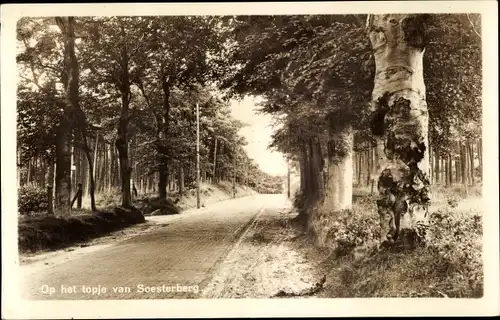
[
  {"x": 178, "y": 254},
  {"x": 267, "y": 262}
]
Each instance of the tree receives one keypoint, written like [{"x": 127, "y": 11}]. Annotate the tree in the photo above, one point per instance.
[
  {"x": 182, "y": 52},
  {"x": 400, "y": 119},
  {"x": 66, "y": 122},
  {"x": 308, "y": 67},
  {"x": 112, "y": 56}
]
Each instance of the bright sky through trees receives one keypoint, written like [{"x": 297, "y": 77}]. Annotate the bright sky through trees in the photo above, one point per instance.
[{"x": 258, "y": 134}]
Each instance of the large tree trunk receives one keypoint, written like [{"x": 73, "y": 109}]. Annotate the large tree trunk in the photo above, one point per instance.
[
  {"x": 125, "y": 169},
  {"x": 64, "y": 130},
  {"x": 162, "y": 182},
  {"x": 90, "y": 166},
  {"x": 122, "y": 147},
  {"x": 316, "y": 164},
  {"x": 122, "y": 138},
  {"x": 338, "y": 193},
  {"x": 400, "y": 119},
  {"x": 163, "y": 167}
]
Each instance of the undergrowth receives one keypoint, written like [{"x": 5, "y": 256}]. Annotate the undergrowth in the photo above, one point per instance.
[{"x": 447, "y": 264}]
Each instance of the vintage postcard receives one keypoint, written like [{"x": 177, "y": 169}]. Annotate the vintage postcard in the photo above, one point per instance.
[{"x": 249, "y": 159}]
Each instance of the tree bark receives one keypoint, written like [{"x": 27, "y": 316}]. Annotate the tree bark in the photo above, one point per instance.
[
  {"x": 360, "y": 168},
  {"x": 438, "y": 169},
  {"x": 73, "y": 168},
  {"x": 369, "y": 160},
  {"x": 302, "y": 166},
  {"x": 95, "y": 162},
  {"x": 480, "y": 156},
  {"x": 305, "y": 184},
  {"x": 102, "y": 171},
  {"x": 28, "y": 172},
  {"x": 18, "y": 168},
  {"x": 338, "y": 193},
  {"x": 443, "y": 171},
  {"x": 91, "y": 186},
  {"x": 181, "y": 180},
  {"x": 470, "y": 149},
  {"x": 122, "y": 138},
  {"x": 163, "y": 167},
  {"x": 50, "y": 187},
  {"x": 69, "y": 77},
  {"x": 162, "y": 183},
  {"x": 215, "y": 160},
  {"x": 316, "y": 172},
  {"x": 465, "y": 169},
  {"x": 449, "y": 176},
  {"x": 43, "y": 173},
  {"x": 400, "y": 120},
  {"x": 431, "y": 164},
  {"x": 463, "y": 164}
]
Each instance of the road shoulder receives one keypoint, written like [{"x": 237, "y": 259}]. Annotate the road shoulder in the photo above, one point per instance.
[{"x": 271, "y": 259}]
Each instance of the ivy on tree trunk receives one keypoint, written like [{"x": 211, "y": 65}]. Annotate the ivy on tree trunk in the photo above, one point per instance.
[
  {"x": 338, "y": 193},
  {"x": 400, "y": 121}
]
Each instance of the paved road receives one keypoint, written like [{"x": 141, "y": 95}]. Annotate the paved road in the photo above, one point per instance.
[{"x": 183, "y": 252}]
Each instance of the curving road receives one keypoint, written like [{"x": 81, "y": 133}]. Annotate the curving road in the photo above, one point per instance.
[{"x": 175, "y": 260}]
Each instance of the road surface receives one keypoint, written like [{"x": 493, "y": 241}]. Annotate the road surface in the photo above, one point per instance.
[{"x": 175, "y": 260}]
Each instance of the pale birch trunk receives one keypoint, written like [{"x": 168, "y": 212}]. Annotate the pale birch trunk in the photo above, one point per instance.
[
  {"x": 338, "y": 191},
  {"x": 400, "y": 120}
]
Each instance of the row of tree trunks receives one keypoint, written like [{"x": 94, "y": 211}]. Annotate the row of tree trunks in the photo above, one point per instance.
[
  {"x": 464, "y": 163},
  {"x": 462, "y": 166},
  {"x": 364, "y": 165}
]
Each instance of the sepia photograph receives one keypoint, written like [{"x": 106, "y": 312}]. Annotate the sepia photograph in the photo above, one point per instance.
[{"x": 179, "y": 153}]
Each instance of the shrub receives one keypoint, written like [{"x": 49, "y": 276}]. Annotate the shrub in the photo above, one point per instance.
[
  {"x": 31, "y": 199},
  {"x": 449, "y": 263},
  {"x": 454, "y": 238},
  {"x": 347, "y": 229},
  {"x": 153, "y": 206}
]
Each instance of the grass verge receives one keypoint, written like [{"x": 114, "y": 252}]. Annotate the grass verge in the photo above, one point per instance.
[{"x": 42, "y": 233}]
